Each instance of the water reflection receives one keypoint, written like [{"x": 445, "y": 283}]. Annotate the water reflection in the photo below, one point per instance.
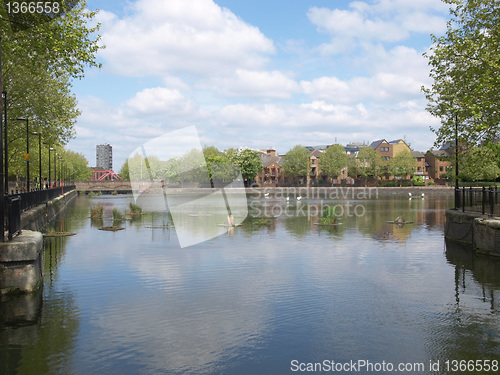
[{"x": 251, "y": 301}]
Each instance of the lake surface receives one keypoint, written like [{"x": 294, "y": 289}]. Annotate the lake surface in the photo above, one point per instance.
[{"x": 265, "y": 298}]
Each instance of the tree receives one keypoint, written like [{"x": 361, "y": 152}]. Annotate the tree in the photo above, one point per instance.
[
  {"x": 76, "y": 165},
  {"x": 369, "y": 162},
  {"x": 466, "y": 72},
  {"x": 249, "y": 163},
  {"x": 478, "y": 164},
  {"x": 220, "y": 167},
  {"x": 38, "y": 65},
  {"x": 333, "y": 160},
  {"x": 402, "y": 165},
  {"x": 296, "y": 163}
]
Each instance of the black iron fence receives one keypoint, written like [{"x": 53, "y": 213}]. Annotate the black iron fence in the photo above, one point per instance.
[
  {"x": 483, "y": 200},
  {"x": 17, "y": 203}
]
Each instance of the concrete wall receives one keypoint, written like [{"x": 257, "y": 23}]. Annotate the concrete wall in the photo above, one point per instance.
[
  {"x": 479, "y": 231},
  {"x": 21, "y": 259},
  {"x": 39, "y": 217},
  {"x": 21, "y": 263}
]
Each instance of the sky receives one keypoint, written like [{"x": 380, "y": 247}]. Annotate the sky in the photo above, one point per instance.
[{"x": 259, "y": 73}]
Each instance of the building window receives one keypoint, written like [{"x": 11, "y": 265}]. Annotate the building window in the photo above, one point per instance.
[
  {"x": 441, "y": 169},
  {"x": 384, "y": 149},
  {"x": 387, "y": 157},
  {"x": 419, "y": 169},
  {"x": 419, "y": 159}
]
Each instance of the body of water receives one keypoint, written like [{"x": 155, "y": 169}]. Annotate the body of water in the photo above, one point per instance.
[{"x": 269, "y": 297}]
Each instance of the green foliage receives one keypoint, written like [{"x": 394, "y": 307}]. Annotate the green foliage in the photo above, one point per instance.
[
  {"x": 402, "y": 165},
  {"x": 262, "y": 222},
  {"x": 220, "y": 167},
  {"x": 329, "y": 215},
  {"x": 369, "y": 162},
  {"x": 466, "y": 73},
  {"x": 249, "y": 163},
  {"x": 296, "y": 163},
  {"x": 390, "y": 183},
  {"x": 75, "y": 165},
  {"x": 333, "y": 160},
  {"x": 495, "y": 147},
  {"x": 124, "y": 171},
  {"x": 96, "y": 212},
  {"x": 117, "y": 214},
  {"x": 418, "y": 181},
  {"x": 135, "y": 209},
  {"x": 477, "y": 164},
  {"x": 38, "y": 65}
]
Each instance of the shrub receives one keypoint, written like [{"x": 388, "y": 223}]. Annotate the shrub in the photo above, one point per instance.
[
  {"x": 117, "y": 214},
  {"x": 97, "y": 211},
  {"x": 135, "y": 209},
  {"x": 329, "y": 216}
]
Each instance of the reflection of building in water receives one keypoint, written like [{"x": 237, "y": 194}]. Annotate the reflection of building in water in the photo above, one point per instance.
[{"x": 471, "y": 270}]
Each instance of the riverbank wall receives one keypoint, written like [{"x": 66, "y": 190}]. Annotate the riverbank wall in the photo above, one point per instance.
[
  {"x": 21, "y": 259},
  {"x": 39, "y": 217},
  {"x": 481, "y": 232}
]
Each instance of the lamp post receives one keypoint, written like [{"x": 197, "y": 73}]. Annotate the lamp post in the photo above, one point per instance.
[
  {"x": 6, "y": 154},
  {"x": 457, "y": 196},
  {"x": 27, "y": 156},
  {"x": 39, "y": 156},
  {"x": 50, "y": 149},
  {"x": 55, "y": 169},
  {"x": 60, "y": 169}
]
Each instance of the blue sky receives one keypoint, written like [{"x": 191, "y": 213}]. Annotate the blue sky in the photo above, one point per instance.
[{"x": 259, "y": 73}]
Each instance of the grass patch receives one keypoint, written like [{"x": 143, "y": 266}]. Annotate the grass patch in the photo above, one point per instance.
[
  {"x": 117, "y": 214},
  {"x": 96, "y": 212},
  {"x": 134, "y": 209},
  {"x": 329, "y": 216}
]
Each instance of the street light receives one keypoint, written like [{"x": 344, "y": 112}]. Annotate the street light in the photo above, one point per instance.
[
  {"x": 6, "y": 154},
  {"x": 50, "y": 149},
  {"x": 60, "y": 169},
  {"x": 27, "y": 155},
  {"x": 55, "y": 169},
  {"x": 39, "y": 156}
]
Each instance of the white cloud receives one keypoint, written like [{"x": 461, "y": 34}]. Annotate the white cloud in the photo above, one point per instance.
[
  {"x": 161, "y": 101},
  {"x": 384, "y": 21},
  {"x": 251, "y": 83},
  {"x": 198, "y": 36}
]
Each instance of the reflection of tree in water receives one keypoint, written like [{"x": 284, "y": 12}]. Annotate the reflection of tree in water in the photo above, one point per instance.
[
  {"x": 369, "y": 216},
  {"x": 469, "y": 328}
]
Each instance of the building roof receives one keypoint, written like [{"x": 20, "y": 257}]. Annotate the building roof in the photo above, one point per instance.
[
  {"x": 441, "y": 153},
  {"x": 316, "y": 153},
  {"x": 320, "y": 147},
  {"x": 375, "y": 144},
  {"x": 417, "y": 154},
  {"x": 268, "y": 160},
  {"x": 396, "y": 141}
]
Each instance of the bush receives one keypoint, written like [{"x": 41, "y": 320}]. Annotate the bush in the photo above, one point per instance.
[
  {"x": 390, "y": 183},
  {"x": 117, "y": 214},
  {"x": 135, "y": 209},
  {"x": 418, "y": 181},
  {"x": 329, "y": 216},
  {"x": 97, "y": 211}
]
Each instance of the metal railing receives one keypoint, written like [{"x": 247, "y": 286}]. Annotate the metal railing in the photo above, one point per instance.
[
  {"x": 17, "y": 203},
  {"x": 483, "y": 200}
]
